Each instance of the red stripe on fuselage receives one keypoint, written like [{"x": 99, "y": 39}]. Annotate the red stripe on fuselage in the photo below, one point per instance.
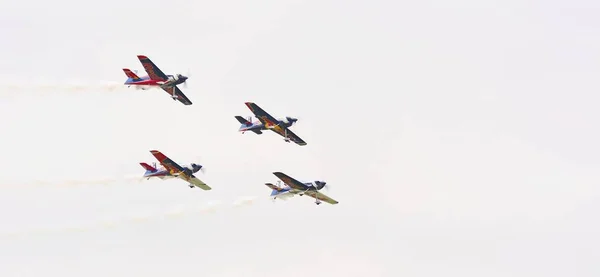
[{"x": 145, "y": 83}]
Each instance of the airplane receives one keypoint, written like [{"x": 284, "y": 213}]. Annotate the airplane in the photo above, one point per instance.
[
  {"x": 156, "y": 78},
  {"x": 170, "y": 169},
  {"x": 267, "y": 122},
  {"x": 294, "y": 187}
]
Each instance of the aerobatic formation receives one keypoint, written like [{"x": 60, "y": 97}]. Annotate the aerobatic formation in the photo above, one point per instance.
[{"x": 286, "y": 186}]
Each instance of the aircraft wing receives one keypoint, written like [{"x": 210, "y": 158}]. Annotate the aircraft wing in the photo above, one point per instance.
[
  {"x": 265, "y": 118},
  {"x": 180, "y": 96},
  {"x": 195, "y": 181},
  {"x": 291, "y": 135},
  {"x": 171, "y": 166},
  {"x": 291, "y": 182},
  {"x": 317, "y": 195},
  {"x": 153, "y": 71}
]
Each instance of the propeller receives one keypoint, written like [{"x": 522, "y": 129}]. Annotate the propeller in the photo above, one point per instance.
[
  {"x": 189, "y": 75},
  {"x": 199, "y": 162}
]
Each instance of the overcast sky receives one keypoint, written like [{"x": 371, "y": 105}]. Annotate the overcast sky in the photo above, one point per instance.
[{"x": 460, "y": 138}]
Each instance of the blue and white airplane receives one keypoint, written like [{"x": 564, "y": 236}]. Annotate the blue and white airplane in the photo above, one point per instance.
[
  {"x": 268, "y": 122},
  {"x": 294, "y": 187},
  {"x": 171, "y": 169}
]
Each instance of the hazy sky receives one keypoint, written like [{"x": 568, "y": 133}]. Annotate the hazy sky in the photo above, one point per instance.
[{"x": 460, "y": 138}]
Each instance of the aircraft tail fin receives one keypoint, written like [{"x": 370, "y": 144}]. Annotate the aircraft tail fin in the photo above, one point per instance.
[
  {"x": 247, "y": 123},
  {"x": 148, "y": 167},
  {"x": 273, "y": 187},
  {"x": 130, "y": 74},
  {"x": 243, "y": 120},
  {"x": 275, "y": 190}
]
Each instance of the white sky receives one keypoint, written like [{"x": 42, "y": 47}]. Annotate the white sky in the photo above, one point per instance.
[{"x": 460, "y": 137}]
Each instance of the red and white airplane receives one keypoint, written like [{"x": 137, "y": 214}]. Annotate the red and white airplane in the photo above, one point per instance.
[{"x": 156, "y": 78}]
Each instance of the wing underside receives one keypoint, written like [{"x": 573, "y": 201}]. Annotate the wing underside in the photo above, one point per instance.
[
  {"x": 291, "y": 182},
  {"x": 166, "y": 162},
  {"x": 195, "y": 181},
  {"x": 265, "y": 118},
  {"x": 286, "y": 132},
  {"x": 153, "y": 71},
  {"x": 320, "y": 196},
  {"x": 180, "y": 96}
]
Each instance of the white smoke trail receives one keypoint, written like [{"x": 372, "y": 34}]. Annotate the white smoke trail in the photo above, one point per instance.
[
  {"x": 26, "y": 88},
  {"x": 244, "y": 201},
  {"x": 177, "y": 211},
  {"x": 71, "y": 183}
]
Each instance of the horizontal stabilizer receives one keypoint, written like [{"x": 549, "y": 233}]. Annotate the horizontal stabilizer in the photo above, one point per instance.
[
  {"x": 243, "y": 120},
  {"x": 247, "y": 125},
  {"x": 274, "y": 187},
  {"x": 148, "y": 167},
  {"x": 130, "y": 74}
]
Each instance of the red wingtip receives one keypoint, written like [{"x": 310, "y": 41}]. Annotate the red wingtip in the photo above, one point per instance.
[
  {"x": 248, "y": 104},
  {"x": 158, "y": 155},
  {"x": 142, "y": 57},
  {"x": 147, "y": 166}
]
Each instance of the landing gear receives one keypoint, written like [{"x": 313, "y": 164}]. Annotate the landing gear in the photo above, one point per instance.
[
  {"x": 318, "y": 202},
  {"x": 285, "y": 137},
  {"x": 191, "y": 186}
]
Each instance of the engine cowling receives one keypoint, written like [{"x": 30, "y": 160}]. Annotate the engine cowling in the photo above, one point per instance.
[
  {"x": 320, "y": 184},
  {"x": 291, "y": 120},
  {"x": 196, "y": 167}
]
